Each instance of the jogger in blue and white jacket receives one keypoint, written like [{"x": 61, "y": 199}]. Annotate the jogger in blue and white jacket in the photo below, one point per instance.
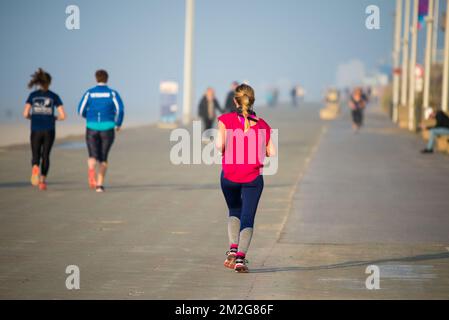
[{"x": 104, "y": 112}]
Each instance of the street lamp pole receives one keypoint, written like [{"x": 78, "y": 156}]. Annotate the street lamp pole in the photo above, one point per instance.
[
  {"x": 436, "y": 14},
  {"x": 405, "y": 51},
  {"x": 445, "y": 95},
  {"x": 412, "y": 69},
  {"x": 188, "y": 63},
  {"x": 396, "y": 58},
  {"x": 428, "y": 57}
]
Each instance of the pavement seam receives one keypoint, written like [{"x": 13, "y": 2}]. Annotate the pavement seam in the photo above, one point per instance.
[
  {"x": 300, "y": 176},
  {"x": 293, "y": 190}
]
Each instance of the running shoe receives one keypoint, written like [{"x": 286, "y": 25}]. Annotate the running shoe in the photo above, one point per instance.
[
  {"x": 42, "y": 186},
  {"x": 35, "y": 176},
  {"x": 99, "y": 189},
  {"x": 230, "y": 259},
  {"x": 240, "y": 265},
  {"x": 425, "y": 151},
  {"x": 92, "y": 179}
]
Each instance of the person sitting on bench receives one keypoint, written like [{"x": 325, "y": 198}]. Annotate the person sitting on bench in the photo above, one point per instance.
[{"x": 440, "y": 129}]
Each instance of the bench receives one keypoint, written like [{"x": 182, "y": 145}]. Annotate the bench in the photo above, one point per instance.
[
  {"x": 426, "y": 133},
  {"x": 330, "y": 112},
  {"x": 442, "y": 144}
]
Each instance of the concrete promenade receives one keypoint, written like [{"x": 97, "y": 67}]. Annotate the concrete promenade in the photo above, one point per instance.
[{"x": 339, "y": 202}]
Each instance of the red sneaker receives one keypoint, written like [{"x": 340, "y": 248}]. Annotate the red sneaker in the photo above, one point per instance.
[
  {"x": 42, "y": 186},
  {"x": 230, "y": 260},
  {"x": 35, "y": 176},
  {"x": 92, "y": 179},
  {"x": 240, "y": 264}
]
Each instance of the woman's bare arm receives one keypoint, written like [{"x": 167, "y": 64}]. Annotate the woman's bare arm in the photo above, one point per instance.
[
  {"x": 61, "y": 113},
  {"x": 271, "y": 149},
  {"x": 221, "y": 136},
  {"x": 26, "y": 111}
]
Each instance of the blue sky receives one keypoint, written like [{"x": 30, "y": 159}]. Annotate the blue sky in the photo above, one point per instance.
[{"x": 140, "y": 43}]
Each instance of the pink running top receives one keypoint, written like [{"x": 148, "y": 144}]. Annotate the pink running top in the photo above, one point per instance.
[{"x": 244, "y": 154}]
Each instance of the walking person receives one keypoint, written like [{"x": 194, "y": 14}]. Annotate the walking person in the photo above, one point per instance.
[
  {"x": 357, "y": 103},
  {"x": 441, "y": 127},
  {"x": 229, "y": 103},
  {"x": 294, "y": 96},
  {"x": 241, "y": 178},
  {"x": 103, "y": 110},
  {"x": 207, "y": 109},
  {"x": 40, "y": 109}
]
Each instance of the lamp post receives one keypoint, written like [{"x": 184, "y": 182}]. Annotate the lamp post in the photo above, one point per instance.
[
  {"x": 428, "y": 55},
  {"x": 412, "y": 69},
  {"x": 436, "y": 14},
  {"x": 188, "y": 63},
  {"x": 445, "y": 95},
  {"x": 405, "y": 51},
  {"x": 396, "y": 58}
]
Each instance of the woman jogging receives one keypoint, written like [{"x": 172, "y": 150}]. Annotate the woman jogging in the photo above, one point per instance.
[
  {"x": 40, "y": 109},
  {"x": 244, "y": 140},
  {"x": 357, "y": 103},
  {"x": 103, "y": 109}
]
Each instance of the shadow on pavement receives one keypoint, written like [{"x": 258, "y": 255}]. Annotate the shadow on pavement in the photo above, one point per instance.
[
  {"x": 130, "y": 187},
  {"x": 21, "y": 184},
  {"x": 178, "y": 187},
  {"x": 26, "y": 184},
  {"x": 423, "y": 257}
]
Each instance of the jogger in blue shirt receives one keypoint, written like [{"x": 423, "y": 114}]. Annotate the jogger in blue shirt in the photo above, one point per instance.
[
  {"x": 40, "y": 108},
  {"x": 103, "y": 110}
]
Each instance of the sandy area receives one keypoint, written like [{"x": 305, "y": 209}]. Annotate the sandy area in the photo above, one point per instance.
[{"x": 19, "y": 133}]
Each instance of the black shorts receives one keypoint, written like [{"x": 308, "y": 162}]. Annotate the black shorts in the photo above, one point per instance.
[
  {"x": 357, "y": 116},
  {"x": 99, "y": 143}
]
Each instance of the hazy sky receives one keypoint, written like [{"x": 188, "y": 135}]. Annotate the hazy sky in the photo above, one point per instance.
[{"x": 140, "y": 43}]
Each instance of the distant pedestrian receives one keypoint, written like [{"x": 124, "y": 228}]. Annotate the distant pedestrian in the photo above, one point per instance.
[
  {"x": 40, "y": 109},
  {"x": 368, "y": 93},
  {"x": 300, "y": 93},
  {"x": 294, "y": 96},
  {"x": 207, "y": 109},
  {"x": 103, "y": 110},
  {"x": 241, "y": 178},
  {"x": 269, "y": 97},
  {"x": 357, "y": 103},
  {"x": 297, "y": 95},
  {"x": 229, "y": 103},
  {"x": 272, "y": 95},
  {"x": 441, "y": 127},
  {"x": 275, "y": 96}
]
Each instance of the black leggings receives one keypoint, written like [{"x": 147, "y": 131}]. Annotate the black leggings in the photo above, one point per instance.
[
  {"x": 99, "y": 143},
  {"x": 41, "y": 144},
  {"x": 357, "y": 117}
]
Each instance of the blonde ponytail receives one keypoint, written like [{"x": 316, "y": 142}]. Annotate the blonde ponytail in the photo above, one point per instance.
[{"x": 244, "y": 95}]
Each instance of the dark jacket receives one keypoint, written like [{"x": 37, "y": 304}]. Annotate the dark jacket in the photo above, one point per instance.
[
  {"x": 442, "y": 120},
  {"x": 202, "y": 109},
  {"x": 229, "y": 104}
]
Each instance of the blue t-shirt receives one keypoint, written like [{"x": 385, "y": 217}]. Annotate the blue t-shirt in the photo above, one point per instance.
[{"x": 43, "y": 104}]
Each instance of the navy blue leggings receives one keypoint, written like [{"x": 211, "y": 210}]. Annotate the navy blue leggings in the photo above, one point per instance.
[
  {"x": 41, "y": 144},
  {"x": 242, "y": 199}
]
